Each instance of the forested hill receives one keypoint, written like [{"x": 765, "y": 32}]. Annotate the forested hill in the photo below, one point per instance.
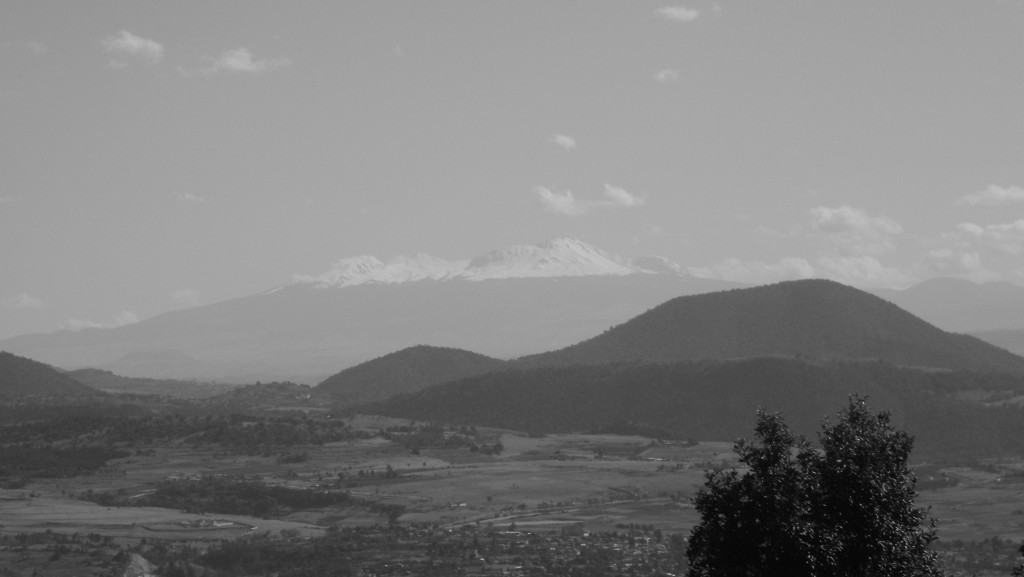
[
  {"x": 716, "y": 401},
  {"x": 405, "y": 371},
  {"x": 815, "y": 319},
  {"x": 25, "y": 379}
]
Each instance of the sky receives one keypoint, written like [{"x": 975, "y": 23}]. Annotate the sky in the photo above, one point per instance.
[{"x": 162, "y": 155}]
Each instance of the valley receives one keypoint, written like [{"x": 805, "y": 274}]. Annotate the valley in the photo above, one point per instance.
[
  {"x": 559, "y": 488},
  {"x": 434, "y": 460}
]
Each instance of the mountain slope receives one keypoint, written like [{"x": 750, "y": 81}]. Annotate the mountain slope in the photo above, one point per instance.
[
  {"x": 24, "y": 379},
  {"x": 405, "y": 371},
  {"x": 816, "y": 319},
  {"x": 717, "y": 400}
]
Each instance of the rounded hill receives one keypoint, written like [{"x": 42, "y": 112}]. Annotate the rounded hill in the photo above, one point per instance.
[
  {"x": 405, "y": 371},
  {"x": 815, "y": 319}
]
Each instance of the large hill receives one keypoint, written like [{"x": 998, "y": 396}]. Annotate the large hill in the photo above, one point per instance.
[
  {"x": 716, "y": 401},
  {"x": 503, "y": 304},
  {"x": 23, "y": 379},
  {"x": 405, "y": 371},
  {"x": 814, "y": 319}
]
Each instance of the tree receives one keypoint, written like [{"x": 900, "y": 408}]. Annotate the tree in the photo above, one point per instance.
[{"x": 844, "y": 510}]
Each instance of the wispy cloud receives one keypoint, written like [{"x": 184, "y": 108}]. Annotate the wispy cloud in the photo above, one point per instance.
[
  {"x": 186, "y": 296},
  {"x": 853, "y": 230},
  {"x": 856, "y": 270},
  {"x": 1006, "y": 238},
  {"x": 678, "y": 13},
  {"x": 994, "y": 195},
  {"x": 188, "y": 197},
  {"x": 559, "y": 202},
  {"x": 7, "y": 199},
  {"x": 241, "y": 61},
  {"x": 23, "y": 301},
  {"x": 667, "y": 75},
  {"x": 127, "y": 47},
  {"x": 566, "y": 203},
  {"x": 565, "y": 141},
  {"x": 122, "y": 319}
]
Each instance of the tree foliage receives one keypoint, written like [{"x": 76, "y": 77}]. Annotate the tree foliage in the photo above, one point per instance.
[{"x": 844, "y": 510}]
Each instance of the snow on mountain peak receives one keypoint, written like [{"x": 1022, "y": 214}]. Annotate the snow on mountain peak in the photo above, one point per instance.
[{"x": 556, "y": 257}]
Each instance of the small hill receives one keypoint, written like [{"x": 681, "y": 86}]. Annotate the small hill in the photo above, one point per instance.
[
  {"x": 813, "y": 319},
  {"x": 405, "y": 371},
  {"x": 716, "y": 401},
  {"x": 114, "y": 383},
  {"x": 23, "y": 379}
]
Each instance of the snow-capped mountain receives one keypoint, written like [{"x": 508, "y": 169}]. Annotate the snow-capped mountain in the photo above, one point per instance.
[
  {"x": 504, "y": 303},
  {"x": 558, "y": 257}
]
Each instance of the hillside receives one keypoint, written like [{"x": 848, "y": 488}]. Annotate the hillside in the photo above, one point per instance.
[
  {"x": 24, "y": 379},
  {"x": 405, "y": 371},
  {"x": 813, "y": 319},
  {"x": 716, "y": 401}
]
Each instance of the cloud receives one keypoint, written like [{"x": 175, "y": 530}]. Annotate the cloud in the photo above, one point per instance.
[
  {"x": 853, "y": 231},
  {"x": 23, "y": 301},
  {"x": 618, "y": 197},
  {"x": 189, "y": 197},
  {"x": 126, "y": 47},
  {"x": 566, "y": 203},
  {"x": 186, "y": 296},
  {"x": 566, "y": 142},
  {"x": 667, "y": 75},
  {"x": 1006, "y": 238},
  {"x": 755, "y": 272},
  {"x": 241, "y": 61},
  {"x": 862, "y": 271},
  {"x": 7, "y": 199},
  {"x": 948, "y": 262},
  {"x": 559, "y": 202},
  {"x": 994, "y": 195},
  {"x": 678, "y": 13},
  {"x": 123, "y": 318},
  {"x": 859, "y": 270}
]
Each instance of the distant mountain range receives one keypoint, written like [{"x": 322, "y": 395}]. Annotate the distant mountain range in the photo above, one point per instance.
[
  {"x": 811, "y": 320},
  {"x": 503, "y": 304}
]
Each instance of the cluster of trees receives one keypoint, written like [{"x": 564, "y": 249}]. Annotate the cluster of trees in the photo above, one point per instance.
[
  {"x": 844, "y": 510},
  {"x": 237, "y": 431},
  {"x": 28, "y": 461}
]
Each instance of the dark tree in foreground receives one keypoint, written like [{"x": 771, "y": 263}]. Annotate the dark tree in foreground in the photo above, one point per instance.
[{"x": 845, "y": 510}]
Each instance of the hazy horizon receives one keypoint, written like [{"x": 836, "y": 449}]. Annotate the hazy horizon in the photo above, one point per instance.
[{"x": 161, "y": 156}]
